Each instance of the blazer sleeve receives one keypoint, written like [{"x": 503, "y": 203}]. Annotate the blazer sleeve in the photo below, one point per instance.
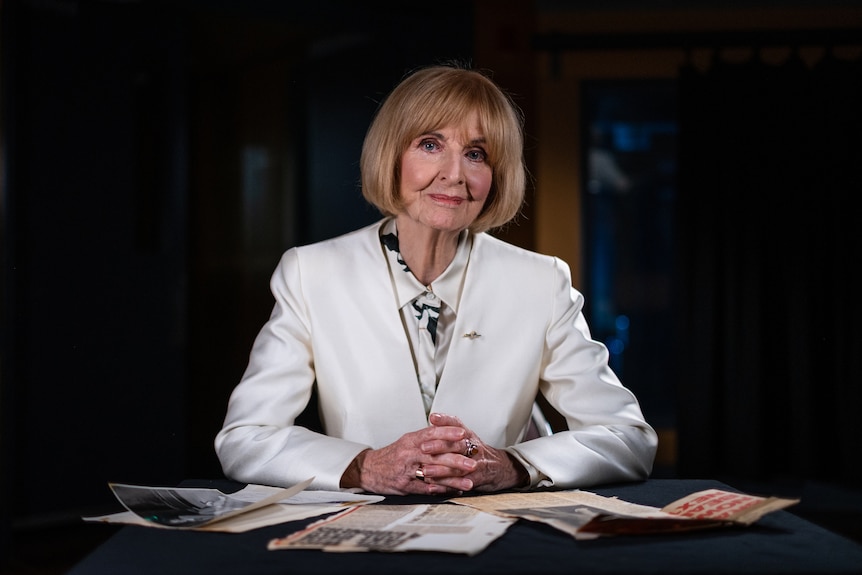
[
  {"x": 608, "y": 439},
  {"x": 259, "y": 442}
]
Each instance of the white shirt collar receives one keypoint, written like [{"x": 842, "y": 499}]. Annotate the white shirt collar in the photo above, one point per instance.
[{"x": 447, "y": 287}]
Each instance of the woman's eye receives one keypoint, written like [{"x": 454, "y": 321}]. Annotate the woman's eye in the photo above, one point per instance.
[
  {"x": 428, "y": 145},
  {"x": 477, "y": 155}
]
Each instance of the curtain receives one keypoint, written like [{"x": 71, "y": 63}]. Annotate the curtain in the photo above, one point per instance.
[{"x": 766, "y": 273}]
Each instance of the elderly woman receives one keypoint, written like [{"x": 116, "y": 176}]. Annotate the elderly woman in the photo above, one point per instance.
[{"x": 428, "y": 339}]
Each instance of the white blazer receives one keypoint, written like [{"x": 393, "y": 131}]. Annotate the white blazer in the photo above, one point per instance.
[{"x": 336, "y": 324}]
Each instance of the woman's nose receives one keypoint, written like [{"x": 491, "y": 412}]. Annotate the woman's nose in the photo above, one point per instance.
[{"x": 451, "y": 170}]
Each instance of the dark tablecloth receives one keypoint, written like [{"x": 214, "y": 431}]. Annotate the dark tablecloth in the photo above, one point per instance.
[{"x": 779, "y": 543}]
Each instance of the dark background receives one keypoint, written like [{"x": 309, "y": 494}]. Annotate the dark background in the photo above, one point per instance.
[{"x": 158, "y": 157}]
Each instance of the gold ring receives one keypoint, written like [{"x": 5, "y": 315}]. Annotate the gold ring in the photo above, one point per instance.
[
  {"x": 420, "y": 474},
  {"x": 472, "y": 448}
]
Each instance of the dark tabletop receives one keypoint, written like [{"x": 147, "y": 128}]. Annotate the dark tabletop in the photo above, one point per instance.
[{"x": 780, "y": 542}]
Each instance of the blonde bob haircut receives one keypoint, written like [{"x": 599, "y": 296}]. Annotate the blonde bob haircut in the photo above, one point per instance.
[{"x": 432, "y": 98}]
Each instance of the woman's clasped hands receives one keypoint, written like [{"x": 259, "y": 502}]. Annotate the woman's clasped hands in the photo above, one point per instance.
[{"x": 444, "y": 458}]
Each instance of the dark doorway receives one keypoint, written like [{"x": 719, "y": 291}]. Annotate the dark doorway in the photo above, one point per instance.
[{"x": 629, "y": 189}]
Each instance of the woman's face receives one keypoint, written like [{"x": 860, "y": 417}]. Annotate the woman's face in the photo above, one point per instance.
[{"x": 445, "y": 177}]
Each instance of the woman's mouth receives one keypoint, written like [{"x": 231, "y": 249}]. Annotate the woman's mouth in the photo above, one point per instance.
[{"x": 447, "y": 200}]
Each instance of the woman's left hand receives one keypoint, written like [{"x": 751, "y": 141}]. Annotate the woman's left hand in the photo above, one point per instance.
[{"x": 496, "y": 470}]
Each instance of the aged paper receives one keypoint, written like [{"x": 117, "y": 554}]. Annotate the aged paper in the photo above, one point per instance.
[
  {"x": 586, "y": 515},
  {"x": 205, "y": 509},
  {"x": 381, "y": 527},
  {"x": 726, "y": 506}
]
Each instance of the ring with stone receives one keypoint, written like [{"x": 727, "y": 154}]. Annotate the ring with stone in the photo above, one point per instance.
[{"x": 471, "y": 448}]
